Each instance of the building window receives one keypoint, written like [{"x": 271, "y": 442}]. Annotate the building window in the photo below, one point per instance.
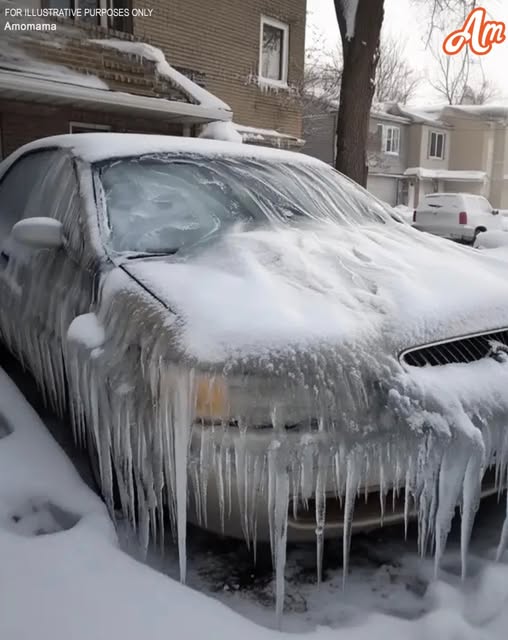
[
  {"x": 87, "y": 127},
  {"x": 391, "y": 140},
  {"x": 274, "y": 51},
  {"x": 436, "y": 145},
  {"x": 116, "y": 22}
]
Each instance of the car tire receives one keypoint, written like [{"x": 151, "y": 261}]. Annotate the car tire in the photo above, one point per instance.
[{"x": 477, "y": 232}]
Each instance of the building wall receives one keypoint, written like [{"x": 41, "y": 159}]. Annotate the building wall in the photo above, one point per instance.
[
  {"x": 498, "y": 194},
  {"x": 379, "y": 161},
  {"x": 418, "y": 156},
  {"x": 319, "y": 135},
  {"x": 472, "y": 144},
  {"x": 221, "y": 39},
  {"x": 22, "y": 122}
]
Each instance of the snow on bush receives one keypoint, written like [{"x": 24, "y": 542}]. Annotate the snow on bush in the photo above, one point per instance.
[{"x": 221, "y": 131}]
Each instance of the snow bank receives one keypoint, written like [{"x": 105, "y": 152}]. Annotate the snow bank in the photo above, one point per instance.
[
  {"x": 491, "y": 240},
  {"x": 405, "y": 212},
  {"x": 194, "y": 91},
  {"x": 64, "y": 576}
]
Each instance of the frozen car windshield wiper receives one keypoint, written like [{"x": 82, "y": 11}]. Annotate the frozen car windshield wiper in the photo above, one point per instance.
[{"x": 151, "y": 254}]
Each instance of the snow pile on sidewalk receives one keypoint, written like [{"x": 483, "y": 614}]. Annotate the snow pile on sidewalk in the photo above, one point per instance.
[{"x": 64, "y": 576}]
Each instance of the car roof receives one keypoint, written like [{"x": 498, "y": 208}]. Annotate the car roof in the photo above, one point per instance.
[{"x": 95, "y": 147}]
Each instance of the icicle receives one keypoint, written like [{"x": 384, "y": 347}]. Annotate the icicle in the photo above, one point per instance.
[
  {"x": 349, "y": 504},
  {"x": 218, "y": 462},
  {"x": 184, "y": 404},
  {"x": 278, "y": 483},
  {"x": 320, "y": 501},
  {"x": 451, "y": 479},
  {"x": 471, "y": 491}
]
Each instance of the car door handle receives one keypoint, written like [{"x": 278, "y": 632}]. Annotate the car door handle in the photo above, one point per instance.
[{"x": 4, "y": 259}]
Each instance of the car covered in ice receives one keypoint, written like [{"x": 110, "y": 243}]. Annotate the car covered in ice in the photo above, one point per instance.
[{"x": 246, "y": 339}]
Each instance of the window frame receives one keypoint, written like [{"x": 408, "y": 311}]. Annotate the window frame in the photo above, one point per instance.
[
  {"x": 107, "y": 22},
  {"x": 284, "y": 27},
  {"x": 386, "y": 138},
  {"x": 443, "y": 147}
]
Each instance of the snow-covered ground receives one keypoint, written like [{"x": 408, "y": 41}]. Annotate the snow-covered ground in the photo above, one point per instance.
[{"x": 64, "y": 574}]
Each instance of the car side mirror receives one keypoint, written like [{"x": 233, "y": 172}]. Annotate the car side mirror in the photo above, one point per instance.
[
  {"x": 39, "y": 233},
  {"x": 495, "y": 212}
]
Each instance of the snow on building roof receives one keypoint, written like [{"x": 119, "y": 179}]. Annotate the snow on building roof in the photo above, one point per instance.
[
  {"x": 145, "y": 51},
  {"x": 94, "y": 147},
  {"x": 257, "y": 135},
  {"x": 380, "y": 114},
  {"x": 491, "y": 111},
  {"x": 420, "y": 115},
  {"x": 446, "y": 174},
  {"x": 75, "y": 55}
]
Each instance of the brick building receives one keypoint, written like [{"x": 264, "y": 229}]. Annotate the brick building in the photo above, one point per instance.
[{"x": 237, "y": 59}]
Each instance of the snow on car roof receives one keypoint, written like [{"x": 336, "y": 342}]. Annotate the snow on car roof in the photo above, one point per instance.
[{"x": 94, "y": 147}]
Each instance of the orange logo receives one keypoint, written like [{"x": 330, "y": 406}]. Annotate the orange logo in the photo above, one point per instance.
[{"x": 477, "y": 33}]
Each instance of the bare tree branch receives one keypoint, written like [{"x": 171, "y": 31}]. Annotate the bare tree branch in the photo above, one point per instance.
[
  {"x": 396, "y": 79},
  {"x": 460, "y": 79}
]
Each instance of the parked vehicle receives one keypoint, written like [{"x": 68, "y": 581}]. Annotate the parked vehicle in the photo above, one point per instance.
[
  {"x": 247, "y": 329},
  {"x": 456, "y": 216}
]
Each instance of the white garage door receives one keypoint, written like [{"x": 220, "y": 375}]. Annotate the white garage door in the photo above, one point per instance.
[{"x": 383, "y": 188}]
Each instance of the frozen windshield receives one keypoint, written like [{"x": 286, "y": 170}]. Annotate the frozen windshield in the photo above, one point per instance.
[{"x": 159, "y": 204}]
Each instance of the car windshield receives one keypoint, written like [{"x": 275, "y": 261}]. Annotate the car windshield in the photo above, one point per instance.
[{"x": 161, "y": 204}]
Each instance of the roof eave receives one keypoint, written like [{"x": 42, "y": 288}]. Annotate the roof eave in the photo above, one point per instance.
[{"x": 16, "y": 86}]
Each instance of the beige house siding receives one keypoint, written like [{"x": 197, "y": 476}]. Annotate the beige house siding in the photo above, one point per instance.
[
  {"x": 221, "y": 39},
  {"x": 499, "y": 181},
  {"x": 415, "y": 145},
  {"x": 472, "y": 144}
]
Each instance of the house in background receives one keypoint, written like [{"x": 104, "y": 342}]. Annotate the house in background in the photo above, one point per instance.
[
  {"x": 249, "y": 53},
  {"x": 98, "y": 75},
  {"x": 387, "y": 147},
  {"x": 480, "y": 144},
  {"x": 433, "y": 165},
  {"x": 387, "y": 155},
  {"x": 412, "y": 152}
]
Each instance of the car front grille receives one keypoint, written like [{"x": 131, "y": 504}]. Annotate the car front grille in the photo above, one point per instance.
[{"x": 466, "y": 349}]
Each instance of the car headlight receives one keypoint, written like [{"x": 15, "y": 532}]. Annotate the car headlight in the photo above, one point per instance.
[
  {"x": 249, "y": 400},
  {"x": 212, "y": 398}
]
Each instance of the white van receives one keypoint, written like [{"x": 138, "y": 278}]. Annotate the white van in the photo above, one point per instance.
[{"x": 457, "y": 216}]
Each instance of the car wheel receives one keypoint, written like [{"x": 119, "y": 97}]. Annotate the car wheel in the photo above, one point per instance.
[{"x": 477, "y": 232}]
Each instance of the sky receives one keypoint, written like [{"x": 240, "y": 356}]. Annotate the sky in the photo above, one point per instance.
[{"x": 404, "y": 20}]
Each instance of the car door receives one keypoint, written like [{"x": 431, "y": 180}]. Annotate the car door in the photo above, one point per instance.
[
  {"x": 17, "y": 189},
  {"x": 42, "y": 290}
]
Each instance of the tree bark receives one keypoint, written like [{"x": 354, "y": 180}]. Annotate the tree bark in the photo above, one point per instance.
[{"x": 361, "y": 53}]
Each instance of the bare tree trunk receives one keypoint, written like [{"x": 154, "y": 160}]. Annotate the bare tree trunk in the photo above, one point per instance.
[{"x": 361, "y": 52}]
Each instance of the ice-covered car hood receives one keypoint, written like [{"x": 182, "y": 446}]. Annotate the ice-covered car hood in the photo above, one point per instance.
[{"x": 379, "y": 284}]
